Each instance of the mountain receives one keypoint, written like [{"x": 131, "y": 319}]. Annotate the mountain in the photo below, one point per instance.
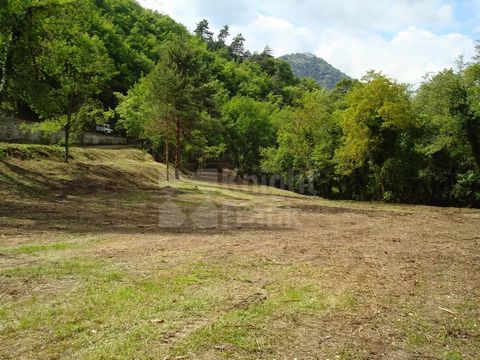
[{"x": 309, "y": 65}]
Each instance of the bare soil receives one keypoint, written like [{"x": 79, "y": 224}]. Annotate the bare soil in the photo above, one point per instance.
[{"x": 400, "y": 282}]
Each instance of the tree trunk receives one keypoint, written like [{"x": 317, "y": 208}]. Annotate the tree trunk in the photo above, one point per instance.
[
  {"x": 177, "y": 149},
  {"x": 67, "y": 136},
  {"x": 166, "y": 160},
  {"x": 4, "y": 62}
]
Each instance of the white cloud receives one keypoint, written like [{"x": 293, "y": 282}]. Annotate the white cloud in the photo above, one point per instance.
[
  {"x": 403, "y": 38},
  {"x": 377, "y": 15},
  {"x": 180, "y": 10},
  {"x": 281, "y": 35},
  {"x": 386, "y": 15},
  {"x": 408, "y": 56}
]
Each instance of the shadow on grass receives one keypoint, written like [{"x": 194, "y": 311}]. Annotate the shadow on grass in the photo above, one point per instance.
[
  {"x": 24, "y": 181},
  {"x": 98, "y": 198},
  {"x": 86, "y": 178},
  {"x": 109, "y": 213}
]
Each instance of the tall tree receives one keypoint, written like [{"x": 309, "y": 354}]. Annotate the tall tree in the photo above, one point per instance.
[
  {"x": 78, "y": 65},
  {"x": 203, "y": 31},
  {"x": 174, "y": 94},
  {"x": 376, "y": 109},
  {"x": 249, "y": 129},
  {"x": 307, "y": 139},
  {"x": 374, "y": 125},
  {"x": 223, "y": 34},
  {"x": 447, "y": 103},
  {"x": 237, "y": 49},
  {"x": 23, "y": 26},
  {"x": 471, "y": 122},
  {"x": 55, "y": 64}
]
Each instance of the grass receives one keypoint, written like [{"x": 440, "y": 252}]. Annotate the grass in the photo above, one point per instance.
[
  {"x": 246, "y": 330},
  {"x": 86, "y": 272},
  {"x": 35, "y": 248},
  {"x": 105, "y": 303},
  {"x": 101, "y": 310},
  {"x": 57, "y": 269},
  {"x": 51, "y": 246},
  {"x": 422, "y": 333},
  {"x": 30, "y": 151}
]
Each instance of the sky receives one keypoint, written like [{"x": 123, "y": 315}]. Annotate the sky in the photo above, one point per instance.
[{"x": 405, "y": 39}]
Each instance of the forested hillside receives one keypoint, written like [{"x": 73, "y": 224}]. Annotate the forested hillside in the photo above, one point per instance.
[
  {"x": 203, "y": 97},
  {"x": 309, "y": 65}
]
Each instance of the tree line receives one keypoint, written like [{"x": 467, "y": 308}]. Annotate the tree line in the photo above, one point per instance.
[{"x": 201, "y": 98}]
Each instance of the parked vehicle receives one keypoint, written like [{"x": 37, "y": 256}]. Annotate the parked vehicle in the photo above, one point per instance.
[{"x": 105, "y": 129}]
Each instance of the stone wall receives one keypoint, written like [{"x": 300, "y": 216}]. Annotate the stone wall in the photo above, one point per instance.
[
  {"x": 10, "y": 132},
  {"x": 90, "y": 138}
]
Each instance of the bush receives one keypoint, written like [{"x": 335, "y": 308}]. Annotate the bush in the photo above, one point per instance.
[{"x": 467, "y": 188}]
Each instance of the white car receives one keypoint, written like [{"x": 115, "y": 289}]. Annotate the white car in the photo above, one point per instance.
[{"x": 105, "y": 129}]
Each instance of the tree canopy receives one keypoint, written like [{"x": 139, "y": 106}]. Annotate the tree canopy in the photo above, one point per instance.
[{"x": 202, "y": 98}]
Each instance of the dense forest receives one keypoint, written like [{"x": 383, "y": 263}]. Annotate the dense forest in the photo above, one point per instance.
[{"x": 199, "y": 98}]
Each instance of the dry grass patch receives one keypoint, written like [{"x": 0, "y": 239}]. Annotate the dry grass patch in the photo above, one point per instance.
[{"x": 90, "y": 268}]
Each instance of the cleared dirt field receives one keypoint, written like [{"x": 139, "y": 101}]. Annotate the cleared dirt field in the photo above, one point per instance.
[{"x": 103, "y": 259}]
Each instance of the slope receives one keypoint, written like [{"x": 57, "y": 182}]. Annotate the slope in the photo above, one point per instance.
[
  {"x": 103, "y": 259},
  {"x": 309, "y": 65}
]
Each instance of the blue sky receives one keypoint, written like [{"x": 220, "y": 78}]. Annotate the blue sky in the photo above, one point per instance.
[
  {"x": 405, "y": 39},
  {"x": 467, "y": 16}
]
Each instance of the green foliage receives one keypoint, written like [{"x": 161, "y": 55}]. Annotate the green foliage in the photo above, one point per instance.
[
  {"x": 166, "y": 105},
  {"x": 133, "y": 111},
  {"x": 372, "y": 140},
  {"x": 192, "y": 98},
  {"x": 467, "y": 188},
  {"x": 133, "y": 37},
  {"x": 203, "y": 32},
  {"x": 451, "y": 133},
  {"x": 207, "y": 142},
  {"x": 206, "y": 100},
  {"x": 377, "y": 111},
  {"x": 249, "y": 129},
  {"x": 307, "y": 138},
  {"x": 56, "y": 65},
  {"x": 46, "y": 127}
]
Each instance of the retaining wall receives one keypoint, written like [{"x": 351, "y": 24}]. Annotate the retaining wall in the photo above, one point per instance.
[{"x": 10, "y": 132}]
